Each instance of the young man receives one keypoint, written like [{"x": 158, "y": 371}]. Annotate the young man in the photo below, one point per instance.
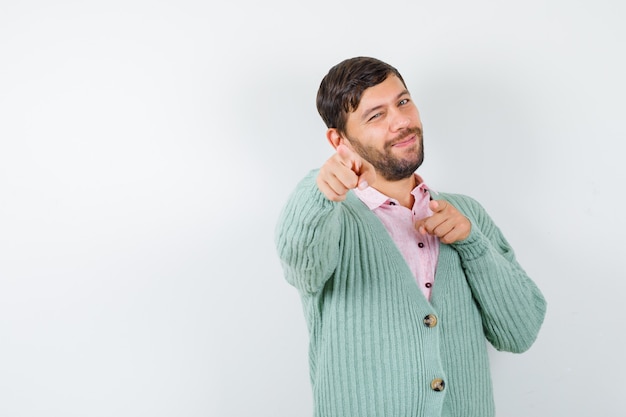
[{"x": 401, "y": 286}]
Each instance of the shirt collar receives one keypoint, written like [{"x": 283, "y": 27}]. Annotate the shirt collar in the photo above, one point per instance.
[{"x": 374, "y": 198}]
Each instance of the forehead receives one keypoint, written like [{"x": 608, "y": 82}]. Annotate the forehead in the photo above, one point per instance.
[{"x": 382, "y": 94}]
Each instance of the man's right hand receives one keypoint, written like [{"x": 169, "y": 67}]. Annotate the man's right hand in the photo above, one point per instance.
[{"x": 344, "y": 171}]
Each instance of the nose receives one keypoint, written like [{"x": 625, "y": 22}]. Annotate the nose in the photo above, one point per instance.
[{"x": 400, "y": 122}]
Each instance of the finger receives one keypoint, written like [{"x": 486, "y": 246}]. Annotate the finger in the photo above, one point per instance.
[
  {"x": 367, "y": 176},
  {"x": 448, "y": 229},
  {"x": 363, "y": 169},
  {"x": 343, "y": 180},
  {"x": 433, "y": 225},
  {"x": 437, "y": 206},
  {"x": 442, "y": 229},
  {"x": 332, "y": 190},
  {"x": 349, "y": 158},
  {"x": 460, "y": 231},
  {"x": 455, "y": 234},
  {"x": 420, "y": 225},
  {"x": 335, "y": 179},
  {"x": 343, "y": 176}
]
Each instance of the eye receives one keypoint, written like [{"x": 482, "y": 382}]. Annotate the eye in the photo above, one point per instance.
[
  {"x": 403, "y": 102},
  {"x": 376, "y": 116}
]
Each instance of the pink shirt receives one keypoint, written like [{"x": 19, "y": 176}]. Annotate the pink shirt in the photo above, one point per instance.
[{"x": 419, "y": 251}]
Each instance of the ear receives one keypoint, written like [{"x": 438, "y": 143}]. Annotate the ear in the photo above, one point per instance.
[{"x": 334, "y": 137}]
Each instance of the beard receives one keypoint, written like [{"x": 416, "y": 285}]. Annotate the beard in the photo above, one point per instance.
[{"x": 390, "y": 167}]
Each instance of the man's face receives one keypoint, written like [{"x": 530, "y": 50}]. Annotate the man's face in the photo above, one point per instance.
[{"x": 386, "y": 130}]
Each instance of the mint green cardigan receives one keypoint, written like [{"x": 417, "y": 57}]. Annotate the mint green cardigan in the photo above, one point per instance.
[{"x": 375, "y": 350}]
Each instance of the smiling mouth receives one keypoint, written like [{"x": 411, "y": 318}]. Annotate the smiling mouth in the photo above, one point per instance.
[{"x": 405, "y": 141}]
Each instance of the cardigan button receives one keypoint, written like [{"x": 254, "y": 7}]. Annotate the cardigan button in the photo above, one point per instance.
[
  {"x": 437, "y": 384},
  {"x": 430, "y": 320}
]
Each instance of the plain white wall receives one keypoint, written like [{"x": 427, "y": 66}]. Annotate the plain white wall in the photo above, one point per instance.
[{"x": 146, "y": 148}]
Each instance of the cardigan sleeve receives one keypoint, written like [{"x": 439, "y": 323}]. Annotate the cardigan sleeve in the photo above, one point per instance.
[
  {"x": 307, "y": 236},
  {"x": 511, "y": 305}
]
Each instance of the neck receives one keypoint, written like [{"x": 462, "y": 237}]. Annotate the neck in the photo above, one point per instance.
[{"x": 399, "y": 190}]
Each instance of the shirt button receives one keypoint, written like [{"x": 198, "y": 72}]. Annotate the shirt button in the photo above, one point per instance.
[
  {"x": 437, "y": 384},
  {"x": 430, "y": 320},
  {"x": 428, "y": 285},
  {"x": 421, "y": 245}
]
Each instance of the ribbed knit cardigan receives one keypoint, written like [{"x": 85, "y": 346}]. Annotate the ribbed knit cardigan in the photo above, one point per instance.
[{"x": 372, "y": 351}]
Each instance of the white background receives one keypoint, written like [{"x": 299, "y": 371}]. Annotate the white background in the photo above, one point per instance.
[{"x": 146, "y": 148}]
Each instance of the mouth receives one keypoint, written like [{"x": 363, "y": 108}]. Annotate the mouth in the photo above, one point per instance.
[{"x": 404, "y": 142}]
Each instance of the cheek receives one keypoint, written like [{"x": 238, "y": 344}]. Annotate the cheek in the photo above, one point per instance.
[
  {"x": 374, "y": 138},
  {"x": 416, "y": 118}
]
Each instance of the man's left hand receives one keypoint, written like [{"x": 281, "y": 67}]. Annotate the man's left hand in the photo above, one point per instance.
[{"x": 447, "y": 223}]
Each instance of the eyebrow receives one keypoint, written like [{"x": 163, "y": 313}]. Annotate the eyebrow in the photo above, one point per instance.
[{"x": 370, "y": 110}]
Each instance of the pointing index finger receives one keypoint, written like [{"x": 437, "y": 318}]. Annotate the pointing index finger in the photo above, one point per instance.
[{"x": 348, "y": 158}]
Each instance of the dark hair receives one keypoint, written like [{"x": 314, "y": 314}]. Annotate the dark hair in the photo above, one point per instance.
[{"x": 341, "y": 89}]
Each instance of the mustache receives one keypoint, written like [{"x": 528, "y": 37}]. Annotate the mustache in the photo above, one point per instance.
[{"x": 405, "y": 133}]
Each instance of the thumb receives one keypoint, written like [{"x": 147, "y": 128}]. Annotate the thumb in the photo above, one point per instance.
[{"x": 438, "y": 205}]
